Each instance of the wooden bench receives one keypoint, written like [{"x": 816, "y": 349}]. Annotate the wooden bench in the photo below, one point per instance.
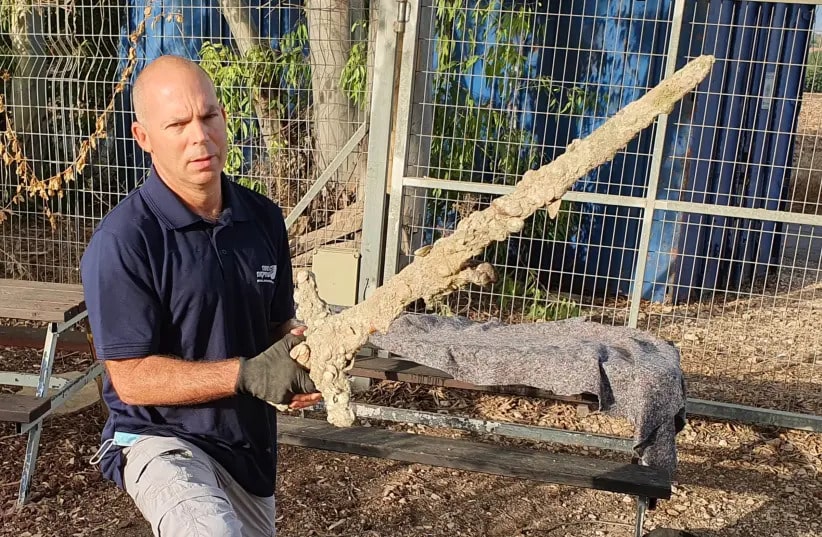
[
  {"x": 62, "y": 307},
  {"x": 644, "y": 483},
  {"x": 17, "y": 408},
  {"x": 647, "y": 485},
  {"x": 523, "y": 463}
]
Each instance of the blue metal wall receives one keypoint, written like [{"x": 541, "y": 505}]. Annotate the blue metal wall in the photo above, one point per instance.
[
  {"x": 628, "y": 43},
  {"x": 741, "y": 143},
  {"x": 741, "y": 139}
]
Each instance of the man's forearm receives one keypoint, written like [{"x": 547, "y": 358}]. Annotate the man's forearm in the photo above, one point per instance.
[{"x": 165, "y": 381}]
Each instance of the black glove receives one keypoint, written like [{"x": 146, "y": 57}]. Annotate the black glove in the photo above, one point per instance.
[{"x": 273, "y": 375}]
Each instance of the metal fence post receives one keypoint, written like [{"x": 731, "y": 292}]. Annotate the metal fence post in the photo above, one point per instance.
[
  {"x": 379, "y": 147},
  {"x": 401, "y": 134},
  {"x": 656, "y": 166}
]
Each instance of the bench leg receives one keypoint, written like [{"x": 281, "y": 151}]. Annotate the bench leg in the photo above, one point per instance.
[
  {"x": 33, "y": 443},
  {"x": 32, "y": 446},
  {"x": 47, "y": 360},
  {"x": 641, "y": 507}
]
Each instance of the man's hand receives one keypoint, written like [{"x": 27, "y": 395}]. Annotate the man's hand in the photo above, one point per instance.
[
  {"x": 301, "y": 353},
  {"x": 292, "y": 326},
  {"x": 276, "y": 378},
  {"x": 305, "y": 400},
  {"x": 299, "y": 330}
]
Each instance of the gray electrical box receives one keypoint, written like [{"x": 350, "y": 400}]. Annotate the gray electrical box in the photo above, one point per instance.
[{"x": 336, "y": 269}]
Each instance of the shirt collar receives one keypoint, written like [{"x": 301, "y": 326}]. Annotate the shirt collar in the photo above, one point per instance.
[{"x": 175, "y": 215}]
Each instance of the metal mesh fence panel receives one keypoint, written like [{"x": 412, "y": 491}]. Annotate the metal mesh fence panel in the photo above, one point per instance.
[
  {"x": 532, "y": 284},
  {"x": 740, "y": 201},
  {"x": 705, "y": 230},
  {"x": 294, "y": 81},
  {"x": 501, "y": 89}
]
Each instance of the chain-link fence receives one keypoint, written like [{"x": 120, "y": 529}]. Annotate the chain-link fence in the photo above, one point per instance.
[
  {"x": 294, "y": 80},
  {"x": 706, "y": 229}
]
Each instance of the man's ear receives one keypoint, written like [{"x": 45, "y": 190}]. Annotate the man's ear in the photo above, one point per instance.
[{"x": 141, "y": 135}]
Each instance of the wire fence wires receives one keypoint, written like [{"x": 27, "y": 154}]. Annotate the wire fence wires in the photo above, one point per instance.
[{"x": 706, "y": 230}]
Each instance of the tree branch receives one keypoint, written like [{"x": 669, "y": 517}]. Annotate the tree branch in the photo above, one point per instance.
[
  {"x": 343, "y": 222},
  {"x": 247, "y": 36}
]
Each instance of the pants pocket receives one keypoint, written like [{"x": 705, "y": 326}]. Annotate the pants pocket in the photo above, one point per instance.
[{"x": 178, "y": 493}]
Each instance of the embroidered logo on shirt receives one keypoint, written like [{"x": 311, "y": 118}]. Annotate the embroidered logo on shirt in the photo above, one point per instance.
[{"x": 267, "y": 274}]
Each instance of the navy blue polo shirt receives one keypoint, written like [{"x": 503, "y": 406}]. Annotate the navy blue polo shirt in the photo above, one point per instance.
[{"x": 161, "y": 280}]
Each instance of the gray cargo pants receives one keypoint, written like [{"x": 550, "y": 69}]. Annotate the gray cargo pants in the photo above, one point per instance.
[{"x": 181, "y": 491}]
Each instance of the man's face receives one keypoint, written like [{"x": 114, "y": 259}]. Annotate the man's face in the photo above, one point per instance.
[{"x": 184, "y": 128}]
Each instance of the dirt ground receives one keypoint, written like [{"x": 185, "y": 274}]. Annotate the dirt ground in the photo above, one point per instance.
[
  {"x": 733, "y": 480},
  {"x": 806, "y": 186},
  {"x": 759, "y": 347}
]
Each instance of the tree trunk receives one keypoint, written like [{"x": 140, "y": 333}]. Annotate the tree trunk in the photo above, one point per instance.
[
  {"x": 334, "y": 118},
  {"x": 247, "y": 36}
]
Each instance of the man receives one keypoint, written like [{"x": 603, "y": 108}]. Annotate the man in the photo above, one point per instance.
[{"x": 188, "y": 285}]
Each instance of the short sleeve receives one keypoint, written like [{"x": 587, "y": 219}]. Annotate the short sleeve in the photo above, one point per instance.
[
  {"x": 282, "y": 307},
  {"x": 123, "y": 309}
]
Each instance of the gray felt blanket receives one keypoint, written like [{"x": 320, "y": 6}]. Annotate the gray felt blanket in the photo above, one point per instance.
[{"x": 634, "y": 374}]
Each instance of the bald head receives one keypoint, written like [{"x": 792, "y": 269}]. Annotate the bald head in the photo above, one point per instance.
[
  {"x": 162, "y": 72},
  {"x": 180, "y": 123}
]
